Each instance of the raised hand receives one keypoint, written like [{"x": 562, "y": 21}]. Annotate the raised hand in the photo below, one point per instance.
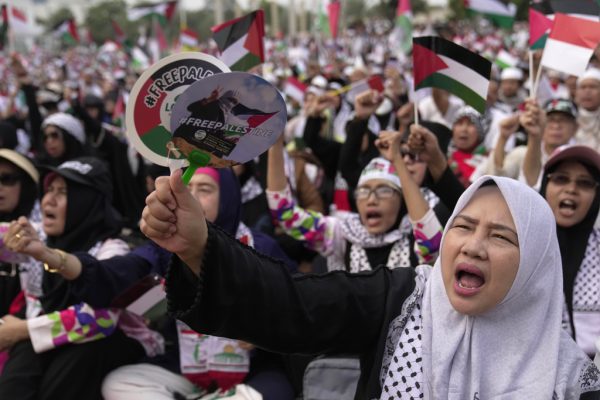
[{"x": 174, "y": 220}]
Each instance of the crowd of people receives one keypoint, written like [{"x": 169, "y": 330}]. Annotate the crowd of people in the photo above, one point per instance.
[{"x": 345, "y": 215}]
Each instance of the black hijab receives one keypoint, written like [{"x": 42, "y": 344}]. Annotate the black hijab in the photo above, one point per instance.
[
  {"x": 573, "y": 240},
  {"x": 90, "y": 218}
]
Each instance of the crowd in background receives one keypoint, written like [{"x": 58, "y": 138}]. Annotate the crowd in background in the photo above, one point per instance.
[{"x": 352, "y": 184}]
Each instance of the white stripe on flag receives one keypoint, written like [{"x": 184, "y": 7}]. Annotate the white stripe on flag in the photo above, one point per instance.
[
  {"x": 188, "y": 40},
  {"x": 233, "y": 53},
  {"x": 465, "y": 75},
  {"x": 566, "y": 57},
  {"x": 492, "y": 7},
  {"x": 294, "y": 92},
  {"x": 148, "y": 300}
]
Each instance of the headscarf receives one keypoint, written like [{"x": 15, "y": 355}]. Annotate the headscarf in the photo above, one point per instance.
[
  {"x": 230, "y": 201},
  {"x": 90, "y": 218},
  {"x": 573, "y": 240},
  {"x": 517, "y": 350}
]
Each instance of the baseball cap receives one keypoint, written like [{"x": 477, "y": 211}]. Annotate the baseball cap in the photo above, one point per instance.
[
  {"x": 561, "y": 105},
  {"x": 88, "y": 171},
  {"x": 581, "y": 153}
]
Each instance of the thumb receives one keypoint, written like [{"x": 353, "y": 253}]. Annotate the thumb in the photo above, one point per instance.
[{"x": 180, "y": 191}]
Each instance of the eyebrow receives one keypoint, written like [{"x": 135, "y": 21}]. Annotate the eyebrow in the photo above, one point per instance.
[{"x": 492, "y": 225}]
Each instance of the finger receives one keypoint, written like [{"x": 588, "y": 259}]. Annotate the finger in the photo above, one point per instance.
[
  {"x": 181, "y": 193},
  {"x": 157, "y": 223},
  {"x": 159, "y": 210},
  {"x": 163, "y": 192},
  {"x": 152, "y": 233}
]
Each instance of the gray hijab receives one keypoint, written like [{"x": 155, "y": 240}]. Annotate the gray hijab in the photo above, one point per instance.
[{"x": 518, "y": 349}]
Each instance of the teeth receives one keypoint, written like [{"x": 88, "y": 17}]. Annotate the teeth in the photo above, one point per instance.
[{"x": 464, "y": 287}]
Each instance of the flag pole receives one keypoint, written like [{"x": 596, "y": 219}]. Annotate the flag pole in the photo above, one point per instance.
[
  {"x": 537, "y": 81},
  {"x": 531, "y": 73},
  {"x": 416, "y": 112}
]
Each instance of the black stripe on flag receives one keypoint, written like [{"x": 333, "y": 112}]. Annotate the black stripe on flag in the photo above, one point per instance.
[
  {"x": 582, "y": 7},
  {"x": 542, "y": 6},
  {"x": 457, "y": 53},
  {"x": 232, "y": 33}
]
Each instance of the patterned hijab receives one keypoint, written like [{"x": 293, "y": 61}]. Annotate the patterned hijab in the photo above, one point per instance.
[{"x": 517, "y": 350}]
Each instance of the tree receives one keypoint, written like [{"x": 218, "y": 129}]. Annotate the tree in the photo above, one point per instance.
[
  {"x": 56, "y": 18},
  {"x": 99, "y": 17}
]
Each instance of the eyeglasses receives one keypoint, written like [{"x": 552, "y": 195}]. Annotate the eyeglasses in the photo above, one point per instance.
[
  {"x": 381, "y": 192},
  {"x": 51, "y": 135},
  {"x": 559, "y": 179}
]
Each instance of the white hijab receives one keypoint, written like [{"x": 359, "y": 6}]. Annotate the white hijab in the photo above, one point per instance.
[{"x": 518, "y": 349}]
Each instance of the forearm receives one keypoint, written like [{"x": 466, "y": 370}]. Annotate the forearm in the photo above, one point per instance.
[
  {"x": 499, "y": 153},
  {"x": 416, "y": 204},
  {"x": 276, "y": 179},
  {"x": 437, "y": 166},
  {"x": 61, "y": 262},
  {"x": 349, "y": 165},
  {"x": 532, "y": 163},
  {"x": 244, "y": 295}
]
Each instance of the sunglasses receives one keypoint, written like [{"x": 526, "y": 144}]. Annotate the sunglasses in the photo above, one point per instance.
[
  {"x": 51, "y": 135},
  {"x": 9, "y": 179},
  {"x": 559, "y": 179}
]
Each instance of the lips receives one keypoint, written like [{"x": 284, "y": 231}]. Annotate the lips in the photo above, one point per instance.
[
  {"x": 468, "y": 280},
  {"x": 372, "y": 218},
  {"x": 567, "y": 207}
]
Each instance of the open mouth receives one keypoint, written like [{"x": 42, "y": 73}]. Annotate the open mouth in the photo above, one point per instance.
[
  {"x": 567, "y": 207},
  {"x": 50, "y": 216},
  {"x": 469, "y": 279},
  {"x": 373, "y": 217}
]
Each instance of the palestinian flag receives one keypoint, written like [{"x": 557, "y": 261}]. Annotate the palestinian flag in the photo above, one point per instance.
[
  {"x": 18, "y": 20},
  {"x": 67, "y": 31},
  {"x": 295, "y": 89},
  {"x": 442, "y": 64},
  {"x": 404, "y": 23},
  {"x": 188, "y": 39},
  {"x": 588, "y": 9},
  {"x": 506, "y": 60},
  {"x": 241, "y": 41},
  {"x": 162, "y": 11},
  {"x": 500, "y": 12},
  {"x": 571, "y": 44},
  {"x": 4, "y": 28},
  {"x": 541, "y": 15}
]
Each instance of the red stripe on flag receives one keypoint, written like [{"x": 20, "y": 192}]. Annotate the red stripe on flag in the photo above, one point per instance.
[
  {"x": 425, "y": 63},
  {"x": 576, "y": 31},
  {"x": 333, "y": 12},
  {"x": 539, "y": 25},
  {"x": 18, "y": 14},
  {"x": 254, "y": 42}
]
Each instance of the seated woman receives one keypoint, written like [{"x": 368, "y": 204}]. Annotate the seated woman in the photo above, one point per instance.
[
  {"x": 65, "y": 348},
  {"x": 483, "y": 323},
  {"x": 570, "y": 186},
  {"x": 379, "y": 234},
  {"x": 18, "y": 196}
]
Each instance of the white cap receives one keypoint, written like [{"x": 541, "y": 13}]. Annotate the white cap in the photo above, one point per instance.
[
  {"x": 67, "y": 123},
  {"x": 511, "y": 73},
  {"x": 592, "y": 73}
]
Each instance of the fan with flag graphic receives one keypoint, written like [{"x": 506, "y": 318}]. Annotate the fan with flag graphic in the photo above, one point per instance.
[{"x": 231, "y": 118}]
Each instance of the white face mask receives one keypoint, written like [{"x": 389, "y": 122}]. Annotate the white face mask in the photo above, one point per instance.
[{"x": 385, "y": 107}]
